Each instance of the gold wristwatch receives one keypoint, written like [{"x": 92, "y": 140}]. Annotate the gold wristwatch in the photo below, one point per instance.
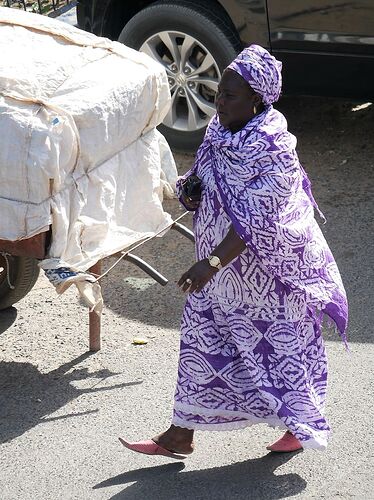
[{"x": 215, "y": 261}]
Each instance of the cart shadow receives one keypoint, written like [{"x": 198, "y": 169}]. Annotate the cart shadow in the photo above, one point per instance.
[
  {"x": 131, "y": 293},
  {"x": 251, "y": 479},
  {"x": 28, "y": 397},
  {"x": 156, "y": 306},
  {"x": 7, "y": 318}
]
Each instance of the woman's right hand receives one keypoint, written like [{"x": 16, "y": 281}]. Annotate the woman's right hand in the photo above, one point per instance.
[{"x": 188, "y": 203}]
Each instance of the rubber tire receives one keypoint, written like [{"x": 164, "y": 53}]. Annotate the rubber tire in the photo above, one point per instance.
[
  {"x": 23, "y": 274},
  {"x": 212, "y": 31}
]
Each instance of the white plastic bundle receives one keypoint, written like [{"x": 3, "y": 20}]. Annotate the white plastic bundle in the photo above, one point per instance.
[{"x": 78, "y": 145}]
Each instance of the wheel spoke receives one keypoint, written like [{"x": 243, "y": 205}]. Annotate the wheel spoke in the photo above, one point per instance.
[
  {"x": 206, "y": 107},
  {"x": 212, "y": 83},
  {"x": 171, "y": 44},
  {"x": 193, "y": 112},
  {"x": 207, "y": 63},
  {"x": 171, "y": 116},
  {"x": 185, "y": 50},
  {"x": 172, "y": 88},
  {"x": 150, "y": 50}
]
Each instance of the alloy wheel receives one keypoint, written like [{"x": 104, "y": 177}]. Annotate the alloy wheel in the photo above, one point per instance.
[{"x": 193, "y": 77}]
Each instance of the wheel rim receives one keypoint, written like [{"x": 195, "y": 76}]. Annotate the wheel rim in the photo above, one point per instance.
[{"x": 193, "y": 77}]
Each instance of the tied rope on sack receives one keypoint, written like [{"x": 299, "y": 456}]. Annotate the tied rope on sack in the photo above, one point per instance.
[{"x": 267, "y": 194}]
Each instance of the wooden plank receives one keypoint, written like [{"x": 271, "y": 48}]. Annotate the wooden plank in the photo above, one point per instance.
[{"x": 30, "y": 247}]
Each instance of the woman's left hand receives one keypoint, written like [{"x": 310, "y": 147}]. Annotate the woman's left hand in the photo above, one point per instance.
[{"x": 197, "y": 276}]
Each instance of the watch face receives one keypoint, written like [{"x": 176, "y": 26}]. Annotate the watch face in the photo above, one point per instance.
[{"x": 214, "y": 261}]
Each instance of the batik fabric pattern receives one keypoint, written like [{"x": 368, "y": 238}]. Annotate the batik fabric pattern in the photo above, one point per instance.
[{"x": 251, "y": 343}]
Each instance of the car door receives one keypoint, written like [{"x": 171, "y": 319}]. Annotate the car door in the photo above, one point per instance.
[{"x": 327, "y": 46}]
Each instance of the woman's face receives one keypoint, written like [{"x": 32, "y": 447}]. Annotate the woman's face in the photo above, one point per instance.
[{"x": 235, "y": 101}]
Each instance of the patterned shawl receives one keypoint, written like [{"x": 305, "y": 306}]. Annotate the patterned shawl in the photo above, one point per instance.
[{"x": 267, "y": 195}]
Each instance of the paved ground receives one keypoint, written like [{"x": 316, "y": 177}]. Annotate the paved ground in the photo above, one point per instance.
[{"x": 62, "y": 409}]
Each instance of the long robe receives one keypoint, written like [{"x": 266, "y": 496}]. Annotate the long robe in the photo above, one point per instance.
[{"x": 251, "y": 344}]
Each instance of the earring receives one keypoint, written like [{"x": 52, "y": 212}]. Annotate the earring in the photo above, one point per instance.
[{"x": 254, "y": 110}]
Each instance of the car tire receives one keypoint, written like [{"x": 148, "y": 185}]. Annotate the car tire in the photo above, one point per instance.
[
  {"x": 211, "y": 37},
  {"x": 19, "y": 272}
]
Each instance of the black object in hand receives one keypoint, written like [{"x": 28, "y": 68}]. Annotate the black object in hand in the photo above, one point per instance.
[{"x": 191, "y": 188}]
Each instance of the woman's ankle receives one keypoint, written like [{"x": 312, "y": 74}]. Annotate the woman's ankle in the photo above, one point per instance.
[
  {"x": 181, "y": 432},
  {"x": 177, "y": 439}
]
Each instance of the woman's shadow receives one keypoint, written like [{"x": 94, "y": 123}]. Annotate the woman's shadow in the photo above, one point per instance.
[{"x": 253, "y": 479}]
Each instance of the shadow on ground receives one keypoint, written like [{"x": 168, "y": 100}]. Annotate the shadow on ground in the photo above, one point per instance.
[
  {"x": 133, "y": 294},
  {"x": 253, "y": 479},
  {"x": 28, "y": 396},
  {"x": 7, "y": 318}
]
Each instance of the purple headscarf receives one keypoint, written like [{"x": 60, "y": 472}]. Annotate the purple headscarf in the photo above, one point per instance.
[{"x": 261, "y": 70}]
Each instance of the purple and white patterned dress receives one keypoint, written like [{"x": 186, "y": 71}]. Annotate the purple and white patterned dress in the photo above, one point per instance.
[{"x": 251, "y": 344}]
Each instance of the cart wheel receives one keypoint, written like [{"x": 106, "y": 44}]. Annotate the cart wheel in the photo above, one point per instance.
[{"x": 21, "y": 273}]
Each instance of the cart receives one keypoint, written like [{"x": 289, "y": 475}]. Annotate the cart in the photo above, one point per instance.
[
  {"x": 19, "y": 271},
  {"x": 84, "y": 169}
]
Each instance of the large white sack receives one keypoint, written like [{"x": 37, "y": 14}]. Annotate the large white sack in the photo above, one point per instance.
[{"x": 78, "y": 145}]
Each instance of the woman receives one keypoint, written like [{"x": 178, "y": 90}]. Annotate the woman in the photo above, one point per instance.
[{"x": 251, "y": 345}]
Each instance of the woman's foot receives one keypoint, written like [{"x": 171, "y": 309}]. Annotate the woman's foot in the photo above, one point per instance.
[
  {"x": 176, "y": 440},
  {"x": 285, "y": 444},
  {"x": 149, "y": 447}
]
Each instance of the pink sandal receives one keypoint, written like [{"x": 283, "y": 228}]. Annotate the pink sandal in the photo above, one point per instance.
[
  {"x": 285, "y": 444},
  {"x": 149, "y": 447}
]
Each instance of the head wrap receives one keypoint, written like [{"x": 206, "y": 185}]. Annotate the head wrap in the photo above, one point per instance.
[{"x": 261, "y": 70}]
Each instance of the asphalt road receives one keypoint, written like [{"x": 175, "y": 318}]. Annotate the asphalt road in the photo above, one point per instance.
[{"x": 61, "y": 409}]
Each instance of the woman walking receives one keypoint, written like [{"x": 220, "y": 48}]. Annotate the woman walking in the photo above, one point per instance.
[{"x": 251, "y": 345}]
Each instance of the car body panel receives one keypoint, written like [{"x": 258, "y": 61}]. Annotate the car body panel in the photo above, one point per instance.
[
  {"x": 326, "y": 48},
  {"x": 322, "y": 26},
  {"x": 250, "y": 20}
]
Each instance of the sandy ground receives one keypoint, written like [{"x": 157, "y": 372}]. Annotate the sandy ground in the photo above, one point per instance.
[{"x": 61, "y": 409}]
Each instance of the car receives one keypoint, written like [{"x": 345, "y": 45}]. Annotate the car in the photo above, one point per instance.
[{"x": 327, "y": 48}]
